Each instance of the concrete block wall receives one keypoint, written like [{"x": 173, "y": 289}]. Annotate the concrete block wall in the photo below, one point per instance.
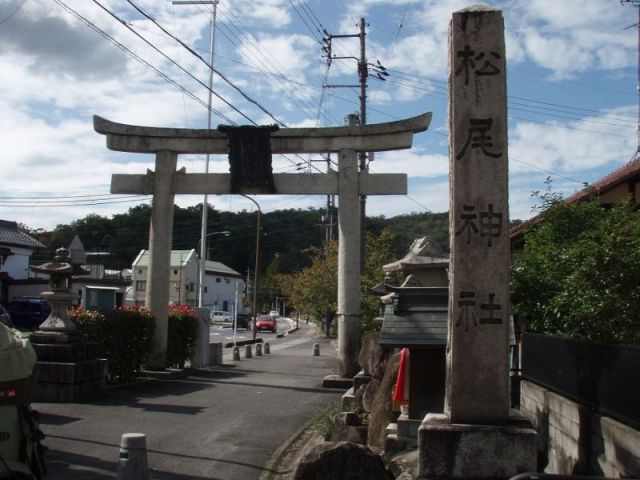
[
  {"x": 573, "y": 439},
  {"x": 620, "y": 449}
]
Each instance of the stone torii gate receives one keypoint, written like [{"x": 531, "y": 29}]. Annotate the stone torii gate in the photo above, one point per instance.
[{"x": 165, "y": 182}]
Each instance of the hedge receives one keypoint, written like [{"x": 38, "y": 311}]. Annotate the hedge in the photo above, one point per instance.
[{"x": 123, "y": 336}]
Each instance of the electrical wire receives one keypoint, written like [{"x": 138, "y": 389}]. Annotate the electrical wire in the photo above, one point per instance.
[
  {"x": 199, "y": 57},
  {"x": 13, "y": 12},
  {"x": 173, "y": 62},
  {"x": 136, "y": 57}
]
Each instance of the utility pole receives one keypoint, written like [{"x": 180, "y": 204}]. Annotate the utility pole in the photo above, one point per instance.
[
  {"x": 636, "y": 3},
  {"x": 379, "y": 72},
  {"x": 205, "y": 202}
]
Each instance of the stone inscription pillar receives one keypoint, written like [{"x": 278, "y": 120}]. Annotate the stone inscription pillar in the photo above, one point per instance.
[
  {"x": 348, "y": 264},
  {"x": 476, "y": 437},
  {"x": 477, "y": 351},
  {"x": 159, "y": 254}
]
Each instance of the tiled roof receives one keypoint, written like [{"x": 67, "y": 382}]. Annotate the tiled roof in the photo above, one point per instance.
[
  {"x": 621, "y": 175},
  {"x": 10, "y": 235}
]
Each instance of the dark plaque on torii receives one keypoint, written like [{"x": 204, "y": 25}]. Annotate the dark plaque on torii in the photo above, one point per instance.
[{"x": 250, "y": 158}]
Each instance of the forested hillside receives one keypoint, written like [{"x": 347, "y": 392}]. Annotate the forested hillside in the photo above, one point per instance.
[{"x": 288, "y": 233}]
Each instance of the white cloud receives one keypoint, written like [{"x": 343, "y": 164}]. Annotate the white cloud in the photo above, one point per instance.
[
  {"x": 411, "y": 162},
  {"x": 574, "y": 146}
]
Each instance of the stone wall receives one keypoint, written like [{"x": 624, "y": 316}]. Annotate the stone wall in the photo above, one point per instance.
[{"x": 572, "y": 439}]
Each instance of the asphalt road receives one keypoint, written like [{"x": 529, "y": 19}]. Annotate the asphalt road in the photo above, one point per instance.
[
  {"x": 216, "y": 423},
  {"x": 223, "y": 332}
]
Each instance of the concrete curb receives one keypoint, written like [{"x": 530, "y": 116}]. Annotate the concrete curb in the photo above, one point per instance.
[{"x": 241, "y": 343}]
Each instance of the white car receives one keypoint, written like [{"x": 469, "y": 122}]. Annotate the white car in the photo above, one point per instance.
[
  {"x": 221, "y": 316},
  {"x": 274, "y": 313}
]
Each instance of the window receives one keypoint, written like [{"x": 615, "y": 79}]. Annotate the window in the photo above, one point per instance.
[
  {"x": 141, "y": 285},
  {"x": 227, "y": 281},
  {"x": 218, "y": 279},
  {"x": 139, "y": 271},
  {"x": 175, "y": 271},
  {"x": 205, "y": 289}
]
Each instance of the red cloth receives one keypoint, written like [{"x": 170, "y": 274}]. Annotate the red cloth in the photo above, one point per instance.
[{"x": 401, "y": 392}]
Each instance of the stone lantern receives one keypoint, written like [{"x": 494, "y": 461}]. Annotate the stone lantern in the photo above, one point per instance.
[
  {"x": 59, "y": 296},
  {"x": 67, "y": 369}
]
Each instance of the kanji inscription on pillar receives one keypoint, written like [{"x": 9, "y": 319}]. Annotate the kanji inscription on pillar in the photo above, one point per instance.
[{"x": 477, "y": 354}]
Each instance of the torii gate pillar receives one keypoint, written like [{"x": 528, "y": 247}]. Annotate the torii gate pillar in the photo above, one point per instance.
[
  {"x": 348, "y": 264},
  {"x": 157, "y": 293}
]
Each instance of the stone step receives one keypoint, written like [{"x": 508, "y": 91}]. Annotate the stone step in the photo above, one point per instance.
[
  {"x": 349, "y": 401},
  {"x": 408, "y": 427}
]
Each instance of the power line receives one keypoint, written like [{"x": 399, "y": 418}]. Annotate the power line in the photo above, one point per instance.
[
  {"x": 13, "y": 12},
  {"x": 199, "y": 57},
  {"x": 270, "y": 63},
  {"x": 135, "y": 56},
  {"x": 126, "y": 24}
]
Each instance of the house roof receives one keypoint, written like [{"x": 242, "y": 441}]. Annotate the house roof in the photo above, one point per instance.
[
  {"x": 10, "y": 235},
  {"x": 178, "y": 258},
  {"x": 615, "y": 178},
  {"x": 182, "y": 257},
  {"x": 221, "y": 268}
]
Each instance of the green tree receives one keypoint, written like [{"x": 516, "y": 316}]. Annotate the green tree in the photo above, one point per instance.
[
  {"x": 579, "y": 272},
  {"x": 314, "y": 289}
]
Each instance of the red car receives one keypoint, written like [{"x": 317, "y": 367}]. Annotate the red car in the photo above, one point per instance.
[{"x": 266, "y": 322}]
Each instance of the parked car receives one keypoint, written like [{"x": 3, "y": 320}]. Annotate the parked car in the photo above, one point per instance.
[
  {"x": 5, "y": 317},
  {"x": 274, "y": 313},
  {"x": 267, "y": 322},
  {"x": 27, "y": 313},
  {"x": 221, "y": 316},
  {"x": 243, "y": 320}
]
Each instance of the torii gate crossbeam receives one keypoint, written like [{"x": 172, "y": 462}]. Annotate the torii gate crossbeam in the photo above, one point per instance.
[{"x": 165, "y": 182}]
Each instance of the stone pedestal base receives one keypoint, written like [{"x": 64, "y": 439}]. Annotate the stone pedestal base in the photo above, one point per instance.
[
  {"x": 453, "y": 451},
  {"x": 67, "y": 369},
  {"x": 336, "y": 381}
]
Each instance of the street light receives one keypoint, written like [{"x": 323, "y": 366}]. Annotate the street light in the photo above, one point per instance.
[
  {"x": 205, "y": 203},
  {"x": 203, "y": 262},
  {"x": 255, "y": 273}
]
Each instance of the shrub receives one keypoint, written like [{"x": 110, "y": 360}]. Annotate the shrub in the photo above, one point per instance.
[
  {"x": 579, "y": 273},
  {"x": 183, "y": 332},
  {"x": 323, "y": 421},
  {"x": 123, "y": 336}
]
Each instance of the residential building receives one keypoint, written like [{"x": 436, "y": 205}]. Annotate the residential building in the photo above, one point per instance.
[
  {"x": 610, "y": 190},
  {"x": 16, "y": 248},
  {"x": 219, "y": 285},
  {"x": 100, "y": 289}
]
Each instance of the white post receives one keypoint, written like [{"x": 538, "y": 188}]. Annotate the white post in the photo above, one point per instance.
[
  {"x": 235, "y": 315},
  {"x": 348, "y": 264}
]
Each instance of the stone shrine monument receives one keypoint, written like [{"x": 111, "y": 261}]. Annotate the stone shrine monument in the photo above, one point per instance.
[
  {"x": 67, "y": 369},
  {"x": 476, "y": 436}
]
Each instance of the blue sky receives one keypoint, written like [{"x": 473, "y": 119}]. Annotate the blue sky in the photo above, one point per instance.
[{"x": 571, "y": 73}]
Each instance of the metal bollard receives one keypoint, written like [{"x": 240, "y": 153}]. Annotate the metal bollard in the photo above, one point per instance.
[
  {"x": 133, "y": 457},
  {"x": 258, "y": 349},
  {"x": 247, "y": 351},
  {"x": 267, "y": 349},
  {"x": 236, "y": 353},
  {"x": 316, "y": 349}
]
